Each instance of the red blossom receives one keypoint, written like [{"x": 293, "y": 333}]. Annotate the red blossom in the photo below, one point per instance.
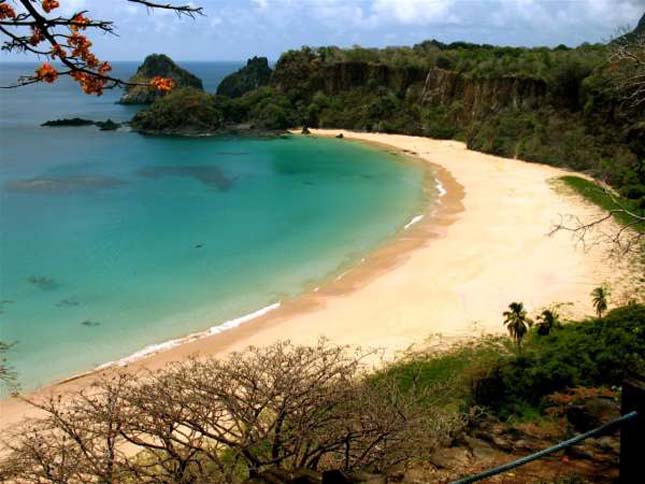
[
  {"x": 36, "y": 36},
  {"x": 79, "y": 22},
  {"x": 58, "y": 51},
  {"x": 47, "y": 73},
  {"x": 49, "y": 5},
  {"x": 163, "y": 84},
  {"x": 6, "y": 11}
]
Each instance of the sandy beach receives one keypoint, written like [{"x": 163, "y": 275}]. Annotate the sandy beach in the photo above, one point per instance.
[{"x": 449, "y": 276}]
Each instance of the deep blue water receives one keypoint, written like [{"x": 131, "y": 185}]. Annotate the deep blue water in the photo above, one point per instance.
[{"x": 112, "y": 241}]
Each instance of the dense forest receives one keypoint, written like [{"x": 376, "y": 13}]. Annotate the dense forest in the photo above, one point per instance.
[{"x": 570, "y": 107}]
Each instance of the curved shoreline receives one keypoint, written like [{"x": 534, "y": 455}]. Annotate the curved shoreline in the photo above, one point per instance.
[
  {"x": 434, "y": 179},
  {"x": 408, "y": 289}
]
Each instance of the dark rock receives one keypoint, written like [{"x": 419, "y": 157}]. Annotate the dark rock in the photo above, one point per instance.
[
  {"x": 343, "y": 477},
  {"x": 68, "y": 122},
  {"x": 480, "y": 449},
  {"x": 108, "y": 125},
  {"x": 305, "y": 130},
  {"x": 592, "y": 413},
  {"x": 340, "y": 136},
  {"x": 255, "y": 74},
  {"x": 280, "y": 476},
  {"x": 336, "y": 477},
  {"x": 609, "y": 443},
  {"x": 157, "y": 65},
  {"x": 42, "y": 282},
  {"x": 305, "y": 476},
  {"x": 451, "y": 458}
]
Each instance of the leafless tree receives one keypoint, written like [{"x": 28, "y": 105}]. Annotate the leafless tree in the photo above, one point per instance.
[
  {"x": 627, "y": 63},
  {"x": 34, "y": 27},
  {"x": 284, "y": 407},
  {"x": 626, "y": 234}
]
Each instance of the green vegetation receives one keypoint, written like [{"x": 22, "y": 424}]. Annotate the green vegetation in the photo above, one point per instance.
[
  {"x": 598, "y": 352},
  {"x": 181, "y": 111},
  {"x": 599, "y": 299},
  {"x": 157, "y": 65},
  {"x": 517, "y": 323},
  {"x": 591, "y": 353},
  {"x": 606, "y": 200},
  {"x": 255, "y": 74},
  {"x": 561, "y": 106}
]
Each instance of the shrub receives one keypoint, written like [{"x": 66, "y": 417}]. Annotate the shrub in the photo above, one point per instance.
[{"x": 598, "y": 352}]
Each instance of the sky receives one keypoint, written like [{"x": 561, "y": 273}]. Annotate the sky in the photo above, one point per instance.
[{"x": 238, "y": 29}]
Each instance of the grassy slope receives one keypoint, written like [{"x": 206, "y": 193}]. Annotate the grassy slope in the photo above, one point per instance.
[
  {"x": 595, "y": 194},
  {"x": 594, "y": 352}
]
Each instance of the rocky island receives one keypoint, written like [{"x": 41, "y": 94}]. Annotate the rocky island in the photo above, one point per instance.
[
  {"x": 254, "y": 75},
  {"x": 157, "y": 65}
]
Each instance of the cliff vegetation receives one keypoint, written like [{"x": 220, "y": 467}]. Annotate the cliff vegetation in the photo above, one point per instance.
[
  {"x": 157, "y": 65},
  {"x": 568, "y": 107}
]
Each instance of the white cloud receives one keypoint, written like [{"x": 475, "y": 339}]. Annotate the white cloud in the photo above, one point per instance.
[{"x": 413, "y": 11}]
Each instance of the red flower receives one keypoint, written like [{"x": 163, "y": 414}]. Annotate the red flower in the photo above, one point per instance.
[
  {"x": 90, "y": 84},
  {"x": 79, "y": 22},
  {"x": 46, "y": 73},
  {"x": 58, "y": 51},
  {"x": 6, "y": 11},
  {"x": 104, "y": 68},
  {"x": 163, "y": 84},
  {"x": 36, "y": 36},
  {"x": 49, "y": 5}
]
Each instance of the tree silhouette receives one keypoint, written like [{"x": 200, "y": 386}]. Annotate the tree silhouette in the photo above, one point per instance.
[
  {"x": 517, "y": 323},
  {"x": 547, "y": 320},
  {"x": 34, "y": 27},
  {"x": 599, "y": 299}
]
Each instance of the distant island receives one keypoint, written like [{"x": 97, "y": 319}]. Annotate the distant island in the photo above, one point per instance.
[
  {"x": 551, "y": 105},
  {"x": 157, "y": 65},
  {"x": 107, "y": 125}
]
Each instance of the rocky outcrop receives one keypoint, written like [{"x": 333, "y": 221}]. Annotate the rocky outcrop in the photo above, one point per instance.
[
  {"x": 309, "y": 76},
  {"x": 157, "y": 65},
  {"x": 108, "y": 125},
  {"x": 344, "y": 76},
  {"x": 480, "y": 96},
  {"x": 255, "y": 74}
]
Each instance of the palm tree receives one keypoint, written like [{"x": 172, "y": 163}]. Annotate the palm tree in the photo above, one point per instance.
[
  {"x": 547, "y": 320},
  {"x": 599, "y": 299},
  {"x": 517, "y": 323}
]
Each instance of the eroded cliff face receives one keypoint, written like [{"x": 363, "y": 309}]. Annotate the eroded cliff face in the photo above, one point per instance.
[
  {"x": 477, "y": 96},
  {"x": 480, "y": 96},
  {"x": 305, "y": 78},
  {"x": 352, "y": 75}
]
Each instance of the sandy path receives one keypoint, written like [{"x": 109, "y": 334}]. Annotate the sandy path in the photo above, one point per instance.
[{"x": 452, "y": 274}]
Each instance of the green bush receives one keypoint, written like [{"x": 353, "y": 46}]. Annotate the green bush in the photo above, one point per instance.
[
  {"x": 183, "y": 110},
  {"x": 597, "y": 352}
]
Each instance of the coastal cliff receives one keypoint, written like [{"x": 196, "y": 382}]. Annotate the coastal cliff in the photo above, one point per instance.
[
  {"x": 157, "y": 65},
  {"x": 255, "y": 74},
  {"x": 561, "y": 106}
]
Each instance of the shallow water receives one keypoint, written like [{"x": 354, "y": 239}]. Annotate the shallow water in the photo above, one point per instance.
[{"x": 112, "y": 241}]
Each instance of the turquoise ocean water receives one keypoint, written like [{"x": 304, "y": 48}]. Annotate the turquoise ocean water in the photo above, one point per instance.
[{"x": 111, "y": 242}]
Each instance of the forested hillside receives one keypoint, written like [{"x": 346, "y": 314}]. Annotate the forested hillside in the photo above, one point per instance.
[{"x": 571, "y": 107}]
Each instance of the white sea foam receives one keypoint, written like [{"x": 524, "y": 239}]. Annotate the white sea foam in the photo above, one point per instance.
[
  {"x": 414, "y": 220},
  {"x": 441, "y": 189},
  {"x": 156, "y": 348}
]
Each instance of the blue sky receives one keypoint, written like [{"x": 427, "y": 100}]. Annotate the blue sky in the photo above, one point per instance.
[{"x": 237, "y": 29}]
